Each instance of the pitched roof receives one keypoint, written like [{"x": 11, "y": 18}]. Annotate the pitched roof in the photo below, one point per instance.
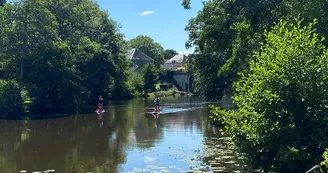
[
  {"x": 135, "y": 53},
  {"x": 177, "y": 58},
  {"x": 129, "y": 53}
]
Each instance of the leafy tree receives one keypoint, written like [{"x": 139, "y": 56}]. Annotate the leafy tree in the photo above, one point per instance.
[
  {"x": 27, "y": 27},
  {"x": 2, "y": 2},
  {"x": 11, "y": 104},
  {"x": 190, "y": 70},
  {"x": 186, "y": 4},
  {"x": 151, "y": 48},
  {"x": 190, "y": 65},
  {"x": 135, "y": 83},
  {"x": 67, "y": 52},
  {"x": 169, "y": 53},
  {"x": 150, "y": 78},
  {"x": 280, "y": 123},
  {"x": 225, "y": 33}
]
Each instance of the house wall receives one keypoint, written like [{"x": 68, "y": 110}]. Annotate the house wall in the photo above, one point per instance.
[
  {"x": 183, "y": 80},
  {"x": 174, "y": 66}
]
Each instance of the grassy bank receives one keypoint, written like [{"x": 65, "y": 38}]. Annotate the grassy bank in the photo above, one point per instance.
[{"x": 170, "y": 92}]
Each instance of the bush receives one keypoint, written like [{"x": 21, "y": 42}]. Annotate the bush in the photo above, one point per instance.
[
  {"x": 280, "y": 123},
  {"x": 11, "y": 103},
  {"x": 325, "y": 157},
  {"x": 150, "y": 77},
  {"x": 135, "y": 83}
]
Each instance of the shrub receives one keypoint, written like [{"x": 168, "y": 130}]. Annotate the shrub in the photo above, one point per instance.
[
  {"x": 135, "y": 83},
  {"x": 11, "y": 104},
  {"x": 150, "y": 77},
  {"x": 325, "y": 157},
  {"x": 280, "y": 123}
]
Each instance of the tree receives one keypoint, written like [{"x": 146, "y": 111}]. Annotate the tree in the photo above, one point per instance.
[
  {"x": 169, "y": 53},
  {"x": 280, "y": 123},
  {"x": 148, "y": 46},
  {"x": 96, "y": 48},
  {"x": 2, "y": 2},
  {"x": 150, "y": 78},
  {"x": 225, "y": 33},
  {"x": 135, "y": 83},
  {"x": 26, "y": 28},
  {"x": 186, "y": 4},
  {"x": 11, "y": 104},
  {"x": 67, "y": 52}
]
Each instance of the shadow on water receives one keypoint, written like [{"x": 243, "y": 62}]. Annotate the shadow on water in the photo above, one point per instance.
[
  {"x": 34, "y": 117},
  {"x": 125, "y": 138}
]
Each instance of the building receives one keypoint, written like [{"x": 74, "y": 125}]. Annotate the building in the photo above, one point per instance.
[
  {"x": 175, "y": 62},
  {"x": 138, "y": 58},
  {"x": 181, "y": 80}
]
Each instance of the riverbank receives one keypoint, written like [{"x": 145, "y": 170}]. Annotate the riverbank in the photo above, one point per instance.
[
  {"x": 168, "y": 93},
  {"x": 218, "y": 155}
]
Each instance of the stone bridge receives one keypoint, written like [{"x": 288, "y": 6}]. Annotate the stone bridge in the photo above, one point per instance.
[{"x": 181, "y": 80}]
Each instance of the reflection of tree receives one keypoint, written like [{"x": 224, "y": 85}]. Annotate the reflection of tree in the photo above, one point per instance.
[
  {"x": 78, "y": 144},
  {"x": 5, "y": 165},
  {"x": 10, "y": 144},
  {"x": 209, "y": 128},
  {"x": 146, "y": 131},
  {"x": 78, "y": 141},
  {"x": 143, "y": 127},
  {"x": 213, "y": 128}
]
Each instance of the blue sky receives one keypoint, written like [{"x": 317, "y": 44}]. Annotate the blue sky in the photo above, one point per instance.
[{"x": 162, "y": 20}]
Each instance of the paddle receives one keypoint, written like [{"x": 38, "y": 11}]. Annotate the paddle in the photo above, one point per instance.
[{"x": 146, "y": 107}]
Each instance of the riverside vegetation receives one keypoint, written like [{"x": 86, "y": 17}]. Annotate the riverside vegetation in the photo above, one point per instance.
[
  {"x": 270, "y": 56},
  {"x": 63, "y": 54}
]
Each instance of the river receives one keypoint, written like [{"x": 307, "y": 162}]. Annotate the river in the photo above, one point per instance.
[{"x": 126, "y": 139}]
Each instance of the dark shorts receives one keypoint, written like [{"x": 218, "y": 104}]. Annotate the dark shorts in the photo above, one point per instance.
[{"x": 156, "y": 104}]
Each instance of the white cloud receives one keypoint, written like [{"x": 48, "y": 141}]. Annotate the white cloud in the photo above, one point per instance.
[{"x": 145, "y": 13}]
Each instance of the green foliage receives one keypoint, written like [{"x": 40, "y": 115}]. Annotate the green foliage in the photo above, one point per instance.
[
  {"x": 151, "y": 48},
  {"x": 190, "y": 70},
  {"x": 225, "y": 33},
  {"x": 11, "y": 103},
  {"x": 186, "y": 4},
  {"x": 150, "y": 78},
  {"x": 325, "y": 157},
  {"x": 66, "y": 52},
  {"x": 170, "y": 92},
  {"x": 135, "y": 83},
  {"x": 169, "y": 53},
  {"x": 280, "y": 123},
  {"x": 2, "y": 2},
  {"x": 190, "y": 64}
]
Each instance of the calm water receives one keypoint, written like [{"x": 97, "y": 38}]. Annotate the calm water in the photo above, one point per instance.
[{"x": 126, "y": 139}]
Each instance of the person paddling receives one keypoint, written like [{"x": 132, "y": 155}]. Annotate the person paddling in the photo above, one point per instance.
[
  {"x": 100, "y": 104},
  {"x": 156, "y": 103}
]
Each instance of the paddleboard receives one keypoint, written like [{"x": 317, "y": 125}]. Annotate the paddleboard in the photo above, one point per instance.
[{"x": 100, "y": 112}]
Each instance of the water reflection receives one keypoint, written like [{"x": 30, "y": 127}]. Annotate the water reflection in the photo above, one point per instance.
[
  {"x": 101, "y": 120},
  {"x": 122, "y": 139},
  {"x": 157, "y": 123}
]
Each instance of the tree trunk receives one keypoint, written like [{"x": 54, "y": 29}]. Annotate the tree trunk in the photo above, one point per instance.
[
  {"x": 25, "y": 52},
  {"x": 21, "y": 74}
]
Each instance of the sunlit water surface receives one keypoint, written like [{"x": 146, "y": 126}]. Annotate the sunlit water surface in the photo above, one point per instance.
[{"x": 127, "y": 138}]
